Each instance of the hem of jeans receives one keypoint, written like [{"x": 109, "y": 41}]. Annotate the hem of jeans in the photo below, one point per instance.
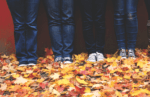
[
  {"x": 131, "y": 48},
  {"x": 121, "y": 48}
]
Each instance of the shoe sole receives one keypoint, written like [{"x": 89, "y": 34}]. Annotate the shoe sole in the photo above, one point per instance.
[
  {"x": 31, "y": 64},
  {"x": 101, "y": 60},
  {"x": 123, "y": 57},
  {"x": 23, "y": 65},
  {"x": 67, "y": 62},
  {"x": 92, "y": 60}
]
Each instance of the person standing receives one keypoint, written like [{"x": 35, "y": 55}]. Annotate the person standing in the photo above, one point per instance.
[
  {"x": 93, "y": 11},
  {"x": 147, "y": 2},
  {"x": 24, "y": 14},
  {"x": 61, "y": 28},
  {"x": 125, "y": 21}
]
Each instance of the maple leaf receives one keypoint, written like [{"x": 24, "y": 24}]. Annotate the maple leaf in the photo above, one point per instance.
[
  {"x": 81, "y": 81},
  {"x": 14, "y": 88},
  {"x": 80, "y": 90},
  {"x": 20, "y": 80},
  {"x": 63, "y": 81},
  {"x": 55, "y": 76},
  {"x": 3, "y": 87},
  {"x": 87, "y": 90}
]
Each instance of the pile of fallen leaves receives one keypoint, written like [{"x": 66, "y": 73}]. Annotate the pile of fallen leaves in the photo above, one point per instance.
[{"x": 113, "y": 77}]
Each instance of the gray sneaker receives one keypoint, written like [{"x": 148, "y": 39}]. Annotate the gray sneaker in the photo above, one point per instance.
[
  {"x": 131, "y": 53},
  {"x": 92, "y": 57},
  {"x": 123, "y": 53}
]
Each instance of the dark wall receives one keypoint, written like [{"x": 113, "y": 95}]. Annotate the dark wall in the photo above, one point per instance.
[{"x": 7, "y": 35}]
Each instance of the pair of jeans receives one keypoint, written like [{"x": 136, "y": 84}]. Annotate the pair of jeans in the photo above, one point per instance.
[
  {"x": 147, "y": 2},
  {"x": 24, "y": 14},
  {"x": 61, "y": 26},
  {"x": 93, "y": 11},
  {"x": 125, "y": 20}
]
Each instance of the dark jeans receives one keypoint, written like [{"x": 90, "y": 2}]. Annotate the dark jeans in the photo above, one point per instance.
[
  {"x": 125, "y": 20},
  {"x": 93, "y": 11},
  {"x": 147, "y": 2},
  {"x": 24, "y": 14},
  {"x": 61, "y": 26}
]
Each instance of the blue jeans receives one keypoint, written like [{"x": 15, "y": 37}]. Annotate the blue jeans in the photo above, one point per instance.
[
  {"x": 125, "y": 20},
  {"x": 93, "y": 11},
  {"x": 61, "y": 26},
  {"x": 24, "y": 14},
  {"x": 147, "y": 2}
]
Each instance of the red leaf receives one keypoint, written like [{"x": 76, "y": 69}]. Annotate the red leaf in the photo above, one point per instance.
[
  {"x": 80, "y": 91},
  {"x": 73, "y": 93},
  {"x": 42, "y": 85}
]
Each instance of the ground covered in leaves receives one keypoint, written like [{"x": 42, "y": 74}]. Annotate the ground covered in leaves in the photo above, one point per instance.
[{"x": 113, "y": 77}]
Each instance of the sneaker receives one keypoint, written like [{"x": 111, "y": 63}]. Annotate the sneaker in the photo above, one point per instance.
[
  {"x": 92, "y": 57},
  {"x": 99, "y": 56},
  {"x": 131, "y": 53},
  {"x": 30, "y": 64},
  {"x": 33, "y": 62},
  {"x": 58, "y": 59},
  {"x": 123, "y": 53},
  {"x": 67, "y": 60},
  {"x": 23, "y": 65}
]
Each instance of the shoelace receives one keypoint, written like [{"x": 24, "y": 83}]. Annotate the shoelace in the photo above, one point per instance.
[
  {"x": 100, "y": 55},
  {"x": 131, "y": 52},
  {"x": 57, "y": 59},
  {"x": 67, "y": 58}
]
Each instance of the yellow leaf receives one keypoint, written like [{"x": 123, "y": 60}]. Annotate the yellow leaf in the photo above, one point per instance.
[
  {"x": 87, "y": 90},
  {"x": 15, "y": 75},
  {"x": 40, "y": 80},
  {"x": 68, "y": 76},
  {"x": 127, "y": 76},
  {"x": 118, "y": 94},
  {"x": 137, "y": 70},
  {"x": 63, "y": 81},
  {"x": 81, "y": 81}
]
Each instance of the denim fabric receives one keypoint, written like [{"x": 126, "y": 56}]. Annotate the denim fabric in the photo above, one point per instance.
[
  {"x": 61, "y": 26},
  {"x": 93, "y": 11},
  {"x": 125, "y": 20},
  {"x": 24, "y": 14},
  {"x": 147, "y": 2}
]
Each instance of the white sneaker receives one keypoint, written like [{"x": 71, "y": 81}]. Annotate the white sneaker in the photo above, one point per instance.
[
  {"x": 30, "y": 64},
  {"x": 20, "y": 65},
  {"x": 67, "y": 60},
  {"x": 92, "y": 57},
  {"x": 99, "y": 56}
]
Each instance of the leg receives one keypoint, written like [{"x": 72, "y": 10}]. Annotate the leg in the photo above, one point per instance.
[
  {"x": 54, "y": 22},
  {"x": 147, "y": 2},
  {"x": 131, "y": 23},
  {"x": 32, "y": 7},
  {"x": 68, "y": 29},
  {"x": 87, "y": 23},
  {"x": 17, "y": 9},
  {"x": 99, "y": 16},
  {"x": 119, "y": 14}
]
